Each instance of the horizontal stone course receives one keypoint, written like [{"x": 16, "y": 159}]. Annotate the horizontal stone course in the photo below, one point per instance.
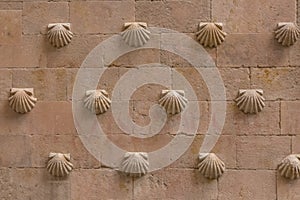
[{"x": 250, "y": 145}]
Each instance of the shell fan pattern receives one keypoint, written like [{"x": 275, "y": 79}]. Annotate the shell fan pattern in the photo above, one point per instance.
[
  {"x": 97, "y": 101},
  {"x": 250, "y": 101},
  {"x": 210, "y": 165},
  {"x": 135, "y": 34},
  {"x": 173, "y": 101},
  {"x": 135, "y": 164},
  {"x": 21, "y": 100},
  {"x": 290, "y": 167},
  {"x": 287, "y": 33},
  {"x": 59, "y": 34},
  {"x": 210, "y": 34},
  {"x": 59, "y": 164}
]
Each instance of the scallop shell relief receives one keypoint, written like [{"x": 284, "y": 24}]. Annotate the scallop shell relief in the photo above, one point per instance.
[
  {"x": 135, "y": 164},
  {"x": 59, "y": 164},
  {"x": 22, "y": 100},
  {"x": 135, "y": 34},
  {"x": 250, "y": 101},
  {"x": 210, "y": 165},
  {"x": 97, "y": 101},
  {"x": 173, "y": 101},
  {"x": 287, "y": 33},
  {"x": 210, "y": 34},
  {"x": 59, "y": 34},
  {"x": 290, "y": 167}
]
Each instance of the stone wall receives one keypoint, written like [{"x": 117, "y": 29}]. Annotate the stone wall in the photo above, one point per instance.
[{"x": 251, "y": 146}]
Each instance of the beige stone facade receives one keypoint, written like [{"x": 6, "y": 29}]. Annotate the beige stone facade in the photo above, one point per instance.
[{"x": 251, "y": 146}]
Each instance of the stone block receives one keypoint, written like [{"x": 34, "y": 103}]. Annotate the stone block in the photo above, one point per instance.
[
  {"x": 44, "y": 144},
  {"x": 277, "y": 83},
  {"x": 295, "y": 144},
  {"x": 235, "y": 79},
  {"x": 73, "y": 54},
  {"x": 259, "y": 152},
  {"x": 11, "y": 28},
  {"x": 247, "y": 185},
  {"x": 290, "y": 117},
  {"x": 15, "y": 151},
  {"x": 11, "y": 6},
  {"x": 226, "y": 149},
  {"x": 265, "y": 122},
  {"x": 88, "y": 17},
  {"x": 242, "y": 50},
  {"x": 294, "y": 50},
  {"x": 48, "y": 84},
  {"x": 29, "y": 52},
  {"x": 183, "y": 16},
  {"x": 47, "y": 118},
  {"x": 134, "y": 144},
  {"x": 257, "y": 16},
  {"x": 102, "y": 183},
  {"x": 175, "y": 184},
  {"x": 37, "y": 15},
  {"x": 5, "y": 84}
]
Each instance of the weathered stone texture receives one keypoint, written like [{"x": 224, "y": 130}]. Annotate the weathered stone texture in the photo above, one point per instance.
[
  {"x": 247, "y": 185},
  {"x": 37, "y": 15},
  {"x": 239, "y": 50},
  {"x": 239, "y": 123},
  {"x": 252, "y": 16},
  {"x": 100, "y": 183},
  {"x": 183, "y": 16},
  {"x": 251, "y": 145},
  {"x": 260, "y": 152},
  {"x": 175, "y": 184},
  {"x": 290, "y": 117},
  {"x": 100, "y": 16}
]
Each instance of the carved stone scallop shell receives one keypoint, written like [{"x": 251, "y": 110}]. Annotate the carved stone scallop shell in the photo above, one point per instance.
[
  {"x": 173, "y": 101},
  {"x": 250, "y": 101},
  {"x": 97, "y": 101},
  {"x": 59, "y": 34},
  {"x": 59, "y": 164},
  {"x": 210, "y": 165},
  {"x": 135, "y": 34},
  {"x": 135, "y": 164},
  {"x": 22, "y": 100},
  {"x": 287, "y": 33},
  {"x": 290, "y": 167},
  {"x": 210, "y": 34}
]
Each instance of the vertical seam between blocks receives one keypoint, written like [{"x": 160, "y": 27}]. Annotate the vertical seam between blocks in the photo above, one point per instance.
[
  {"x": 210, "y": 13},
  {"x": 297, "y": 12},
  {"x": 280, "y": 123}
]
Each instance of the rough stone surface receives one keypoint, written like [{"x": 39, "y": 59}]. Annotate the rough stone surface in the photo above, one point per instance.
[
  {"x": 251, "y": 145},
  {"x": 279, "y": 83},
  {"x": 19, "y": 156},
  {"x": 268, "y": 151},
  {"x": 166, "y": 185},
  {"x": 100, "y": 183},
  {"x": 250, "y": 16},
  {"x": 290, "y": 117},
  {"x": 239, "y": 123},
  {"x": 48, "y": 84},
  {"x": 182, "y": 16},
  {"x": 247, "y": 185},
  {"x": 29, "y": 53},
  {"x": 10, "y": 30},
  {"x": 88, "y": 17},
  {"x": 37, "y": 15},
  {"x": 239, "y": 50}
]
